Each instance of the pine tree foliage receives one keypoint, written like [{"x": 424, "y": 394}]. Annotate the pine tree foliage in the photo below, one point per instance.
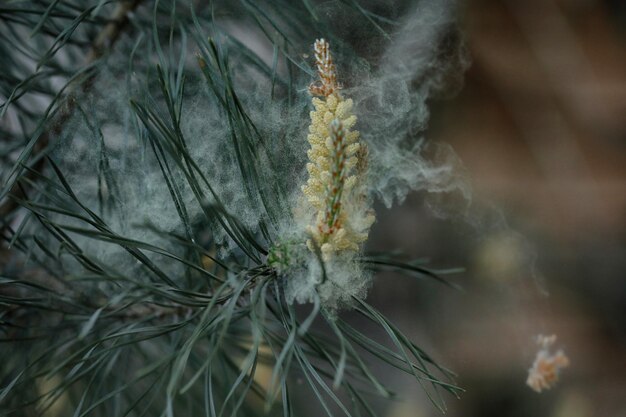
[{"x": 150, "y": 157}]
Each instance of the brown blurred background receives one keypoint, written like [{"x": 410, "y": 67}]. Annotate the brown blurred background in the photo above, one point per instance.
[{"x": 541, "y": 129}]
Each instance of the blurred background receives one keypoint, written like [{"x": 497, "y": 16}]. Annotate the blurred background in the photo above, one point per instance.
[{"x": 540, "y": 127}]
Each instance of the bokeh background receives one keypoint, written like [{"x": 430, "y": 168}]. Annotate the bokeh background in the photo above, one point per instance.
[{"x": 540, "y": 127}]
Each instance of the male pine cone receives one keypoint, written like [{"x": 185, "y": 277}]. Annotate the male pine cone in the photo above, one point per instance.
[{"x": 337, "y": 167}]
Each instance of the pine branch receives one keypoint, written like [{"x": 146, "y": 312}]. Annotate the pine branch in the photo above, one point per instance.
[{"x": 159, "y": 250}]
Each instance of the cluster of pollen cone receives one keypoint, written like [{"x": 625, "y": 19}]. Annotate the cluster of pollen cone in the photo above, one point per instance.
[{"x": 337, "y": 166}]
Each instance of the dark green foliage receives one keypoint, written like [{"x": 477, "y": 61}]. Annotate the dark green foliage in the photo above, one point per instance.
[{"x": 176, "y": 325}]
